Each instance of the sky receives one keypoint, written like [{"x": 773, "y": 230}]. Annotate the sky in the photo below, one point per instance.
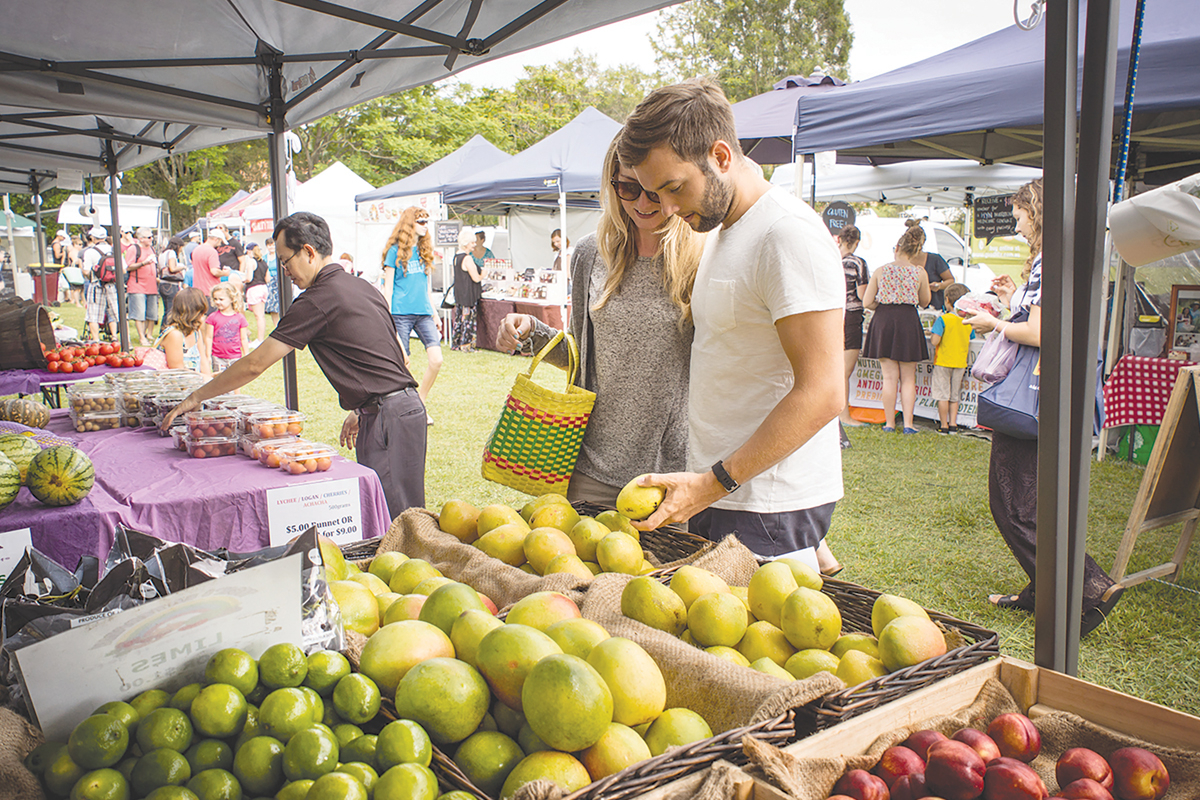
[{"x": 887, "y": 35}]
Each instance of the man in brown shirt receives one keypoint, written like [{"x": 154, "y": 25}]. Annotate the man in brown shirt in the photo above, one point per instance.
[{"x": 348, "y": 326}]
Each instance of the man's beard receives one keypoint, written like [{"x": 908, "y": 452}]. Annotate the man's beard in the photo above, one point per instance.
[{"x": 718, "y": 197}]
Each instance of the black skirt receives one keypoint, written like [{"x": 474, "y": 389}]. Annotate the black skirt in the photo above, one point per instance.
[{"x": 895, "y": 332}]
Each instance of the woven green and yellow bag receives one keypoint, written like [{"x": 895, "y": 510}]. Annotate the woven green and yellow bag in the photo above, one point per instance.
[{"x": 536, "y": 441}]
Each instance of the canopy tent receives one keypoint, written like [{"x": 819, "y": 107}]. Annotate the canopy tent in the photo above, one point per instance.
[
  {"x": 81, "y": 95},
  {"x": 939, "y": 183},
  {"x": 233, "y": 210},
  {"x": 984, "y": 101},
  {"x": 328, "y": 194},
  {"x": 767, "y": 121},
  {"x": 565, "y": 164},
  {"x": 477, "y": 155}
]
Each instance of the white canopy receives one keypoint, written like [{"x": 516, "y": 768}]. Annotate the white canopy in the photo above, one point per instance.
[
  {"x": 137, "y": 211},
  {"x": 156, "y": 77},
  {"x": 939, "y": 183},
  {"x": 328, "y": 194}
]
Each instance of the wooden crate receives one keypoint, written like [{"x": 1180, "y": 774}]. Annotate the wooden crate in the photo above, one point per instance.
[{"x": 1038, "y": 692}]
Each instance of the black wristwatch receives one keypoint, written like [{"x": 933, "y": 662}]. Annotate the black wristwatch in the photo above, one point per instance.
[{"x": 724, "y": 478}]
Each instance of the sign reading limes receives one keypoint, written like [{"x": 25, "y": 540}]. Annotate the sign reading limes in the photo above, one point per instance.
[{"x": 164, "y": 643}]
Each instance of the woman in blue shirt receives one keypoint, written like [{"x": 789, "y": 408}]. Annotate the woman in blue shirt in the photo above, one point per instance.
[{"x": 408, "y": 286}]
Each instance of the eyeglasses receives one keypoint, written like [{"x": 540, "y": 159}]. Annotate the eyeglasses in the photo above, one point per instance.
[
  {"x": 284, "y": 263},
  {"x": 423, "y": 221},
  {"x": 632, "y": 190}
]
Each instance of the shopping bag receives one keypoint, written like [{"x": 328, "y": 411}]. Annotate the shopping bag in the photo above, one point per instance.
[
  {"x": 1011, "y": 406},
  {"x": 995, "y": 358},
  {"x": 536, "y": 441}
]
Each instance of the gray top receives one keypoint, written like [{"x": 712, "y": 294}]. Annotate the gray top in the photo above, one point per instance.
[{"x": 635, "y": 358}]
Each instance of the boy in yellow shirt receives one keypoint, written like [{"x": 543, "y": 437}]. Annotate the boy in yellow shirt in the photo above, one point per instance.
[{"x": 952, "y": 340}]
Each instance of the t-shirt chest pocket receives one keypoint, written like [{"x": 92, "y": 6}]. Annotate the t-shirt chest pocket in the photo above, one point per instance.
[{"x": 719, "y": 306}]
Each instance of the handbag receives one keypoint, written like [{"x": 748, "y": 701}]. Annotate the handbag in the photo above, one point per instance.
[
  {"x": 1011, "y": 406},
  {"x": 152, "y": 357},
  {"x": 536, "y": 441},
  {"x": 448, "y": 297}
]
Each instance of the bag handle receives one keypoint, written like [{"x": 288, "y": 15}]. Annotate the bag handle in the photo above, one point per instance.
[{"x": 573, "y": 355}]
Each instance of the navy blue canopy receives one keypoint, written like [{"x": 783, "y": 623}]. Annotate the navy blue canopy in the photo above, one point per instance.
[
  {"x": 477, "y": 155},
  {"x": 765, "y": 122},
  {"x": 571, "y": 157},
  {"x": 984, "y": 100}
]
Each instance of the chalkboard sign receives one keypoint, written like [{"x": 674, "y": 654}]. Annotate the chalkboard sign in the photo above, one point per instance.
[
  {"x": 445, "y": 232},
  {"x": 993, "y": 217},
  {"x": 837, "y": 215}
]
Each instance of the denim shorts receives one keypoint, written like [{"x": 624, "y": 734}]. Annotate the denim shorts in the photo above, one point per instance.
[
  {"x": 423, "y": 324},
  {"x": 143, "y": 306}
]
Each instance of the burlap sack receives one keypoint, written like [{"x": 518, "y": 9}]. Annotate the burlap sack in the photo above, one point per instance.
[
  {"x": 17, "y": 740},
  {"x": 726, "y": 695},
  {"x": 813, "y": 778},
  {"x": 416, "y": 534}
]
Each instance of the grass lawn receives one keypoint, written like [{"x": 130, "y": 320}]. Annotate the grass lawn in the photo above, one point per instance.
[{"x": 914, "y": 521}]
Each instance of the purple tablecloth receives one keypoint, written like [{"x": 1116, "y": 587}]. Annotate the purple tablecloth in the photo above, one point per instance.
[
  {"x": 28, "y": 381},
  {"x": 144, "y": 482}
]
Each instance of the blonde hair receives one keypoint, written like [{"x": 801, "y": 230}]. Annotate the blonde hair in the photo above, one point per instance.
[
  {"x": 404, "y": 236},
  {"x": 912, "y": 241},
  {"x": 616, "y": 236},
  {"x": 466, "y": 240},
  {"x": 234, "y": 294},
  {"x": 1029, "y": 198}
]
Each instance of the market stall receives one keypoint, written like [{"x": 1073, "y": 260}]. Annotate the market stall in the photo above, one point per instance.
[{"x": 145, "y": 482}]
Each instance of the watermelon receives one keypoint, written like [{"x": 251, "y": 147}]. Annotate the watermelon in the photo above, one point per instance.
[
  {"x": 60, "y": 476},
  {"x": 10, "y": 481},
  {"x": 21, "y": 449}
]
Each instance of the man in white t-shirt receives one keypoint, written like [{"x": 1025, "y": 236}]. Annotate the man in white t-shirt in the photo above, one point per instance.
[{"x": 766, "y": 372}]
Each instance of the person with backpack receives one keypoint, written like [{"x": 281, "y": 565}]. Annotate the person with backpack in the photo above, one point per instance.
[
  {"x": 100, "y": 291},
  {"x": 141, "y": 284}
]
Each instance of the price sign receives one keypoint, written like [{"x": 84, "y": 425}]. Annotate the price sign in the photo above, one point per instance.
[
  {"x": 446, "y": 232},
  {"x": 164, "y": 643},
  {"x": 12, "y": 547},
  {"x": 333, "y": 507},
  {"x": 993, "y": 217}
]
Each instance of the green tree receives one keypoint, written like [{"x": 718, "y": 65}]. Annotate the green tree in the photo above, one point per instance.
[{"x": 748, "y": 45}]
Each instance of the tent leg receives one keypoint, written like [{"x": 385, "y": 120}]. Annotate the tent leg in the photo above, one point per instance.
[
  {"x": 118, "y": 255},
  {"x": 41, "y": 235},
  {"x": 277, "y": 157}
]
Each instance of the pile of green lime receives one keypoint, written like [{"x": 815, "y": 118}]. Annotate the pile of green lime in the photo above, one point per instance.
[{"x": 284, "y": 726}]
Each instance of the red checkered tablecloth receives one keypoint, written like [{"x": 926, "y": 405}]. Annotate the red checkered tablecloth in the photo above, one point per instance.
[{"x": 1138, "y": 390}]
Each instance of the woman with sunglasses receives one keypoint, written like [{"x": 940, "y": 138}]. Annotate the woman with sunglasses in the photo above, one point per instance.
[
  {"x": 406, "y": 282},
  {"x": 631, "y": 287}
]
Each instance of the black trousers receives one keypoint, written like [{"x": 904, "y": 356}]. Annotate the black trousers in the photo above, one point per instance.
[
  {"x": 167, "y": 291},
  {"x": 1012, "y": 495},
  {"x": 392, "y": 442}
]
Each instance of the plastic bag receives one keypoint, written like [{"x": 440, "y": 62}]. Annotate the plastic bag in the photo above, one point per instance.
[
  {"x": 972, "y": 303},
  {"x": 995, "y": 359}
]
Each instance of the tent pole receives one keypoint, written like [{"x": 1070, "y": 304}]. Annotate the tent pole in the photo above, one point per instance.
[
  {"x": 41, "y": 236},
  {"x": 12, "y": 245},
  {"x": 118, "y": 255},
  {"x": 278, "y": 159},
  {"x": 1054, "y": 625}
]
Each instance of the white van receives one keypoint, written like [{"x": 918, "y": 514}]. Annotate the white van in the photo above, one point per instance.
[{"x": 880, "y": 234}]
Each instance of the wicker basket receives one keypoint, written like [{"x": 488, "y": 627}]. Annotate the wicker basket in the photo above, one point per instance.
[
  {"x": 362, "y": 551},
  {"x": 967, "y": 645}
]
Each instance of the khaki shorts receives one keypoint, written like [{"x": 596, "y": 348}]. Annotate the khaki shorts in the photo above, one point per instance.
[{"x": 947, "y": 383}]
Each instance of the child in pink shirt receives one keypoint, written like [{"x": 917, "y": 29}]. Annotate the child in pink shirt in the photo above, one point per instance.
[{"x": 226, "y": 336}]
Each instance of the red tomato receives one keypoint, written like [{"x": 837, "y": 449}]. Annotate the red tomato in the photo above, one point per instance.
[
  {"x": 53, "y": 366},
  {"x": 43, "y": 346},
  {"x": 81, "y": 366},
  {"x": 127, "y": 361},
  {"x": 106, "y": 349},
  {"x": 137, "y": 361},
  {"x": 93, "y": 349},
  {"x": 113, "y": 361},
  {"x": 52, "y": 356}
]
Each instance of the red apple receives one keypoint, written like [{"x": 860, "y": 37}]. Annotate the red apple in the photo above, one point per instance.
[
  {"x": 1085, "y": 789},
  {"x": 910, "y": 787},
  {"x": 1016, "y": 736},
  {"x": 897, "y": 762},
  {"x": 1138, "y": 774},
  {"x": 954, "y": 771},
  {"x": 862, "y": 785},
  {"x": 980, "y": 742},
  {"x": 919, "y": 741},
  {"x": 1080, "y": 762},
  {"x": 1009, "y": 779}
]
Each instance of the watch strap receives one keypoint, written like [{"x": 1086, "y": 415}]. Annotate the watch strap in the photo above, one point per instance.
[{"x": 724, "y": 478}]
